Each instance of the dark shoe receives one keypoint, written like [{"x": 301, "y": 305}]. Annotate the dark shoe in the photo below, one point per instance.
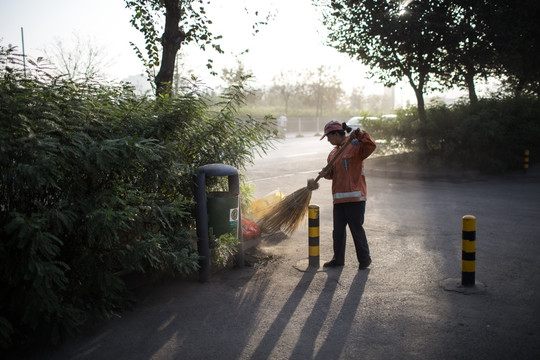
[
  {"x": 364, "y": 264},
  {"x": 332, "y": 263}
]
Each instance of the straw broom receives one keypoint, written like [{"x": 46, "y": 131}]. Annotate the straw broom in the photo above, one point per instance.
[{"x": 287, "y": 214}]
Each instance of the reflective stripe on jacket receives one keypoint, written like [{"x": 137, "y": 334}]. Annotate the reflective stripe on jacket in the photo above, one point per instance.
[{"x": 347, "y": 173}]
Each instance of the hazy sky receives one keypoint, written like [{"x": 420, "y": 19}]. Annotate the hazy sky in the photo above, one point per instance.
[{"x": 292, "y": 41}]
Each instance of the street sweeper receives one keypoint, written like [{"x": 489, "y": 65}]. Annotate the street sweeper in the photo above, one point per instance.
[{"x": 349, "y": 189}]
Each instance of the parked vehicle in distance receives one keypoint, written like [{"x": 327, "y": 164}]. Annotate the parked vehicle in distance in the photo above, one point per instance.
[
  {"x": 354, "y": 122},
  {"x": 359, "y": 122},
  {"x": 388, "y": 116}
]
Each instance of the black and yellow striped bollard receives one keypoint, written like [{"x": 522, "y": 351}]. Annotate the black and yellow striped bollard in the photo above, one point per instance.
[
  {"x": 468, "y": 251},
  {"x": 526, "y": 160},
  {"x": 313, "y": 222}
]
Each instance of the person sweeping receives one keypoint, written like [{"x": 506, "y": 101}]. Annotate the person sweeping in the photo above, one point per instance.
[{"x": 349, "y": 190}]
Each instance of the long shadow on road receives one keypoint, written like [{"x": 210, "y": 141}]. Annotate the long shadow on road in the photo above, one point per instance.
[
  {"x": 305, "y": 346},
  {"x": 341, "y": 328},
  {"x": 270, "y": 339}
]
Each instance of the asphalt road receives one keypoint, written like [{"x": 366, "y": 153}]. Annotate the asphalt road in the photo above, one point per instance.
[{"x": 398, "y": 309}]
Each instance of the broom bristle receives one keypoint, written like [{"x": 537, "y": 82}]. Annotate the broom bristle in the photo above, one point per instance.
[{"x": 287, "y": 214}]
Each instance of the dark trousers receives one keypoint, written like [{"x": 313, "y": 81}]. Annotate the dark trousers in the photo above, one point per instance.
[{"x": 351, "y": 214}]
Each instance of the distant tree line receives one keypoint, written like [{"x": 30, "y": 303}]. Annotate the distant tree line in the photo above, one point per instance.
[
  {"x": 431, "y": 44},
  {"x": 314, "y": 93}
]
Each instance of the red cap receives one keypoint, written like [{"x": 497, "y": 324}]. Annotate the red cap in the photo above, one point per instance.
[{"x": 331, "y": 126}]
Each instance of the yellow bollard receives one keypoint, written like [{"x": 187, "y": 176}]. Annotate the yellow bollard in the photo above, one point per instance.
[
  {"x": 313, "y": 222},
  {"x": 526, "y": 160},
  {"x": 468, "y": 253},
  {"x": 468, "y": 284}
]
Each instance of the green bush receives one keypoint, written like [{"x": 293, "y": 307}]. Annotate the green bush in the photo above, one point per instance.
[
  {"x": 223, "y": 248},
  {"x": 490, "y": 137},
  {"x": 96, "y": 182}
]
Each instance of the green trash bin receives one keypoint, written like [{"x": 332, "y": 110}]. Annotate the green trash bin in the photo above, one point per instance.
[
  {"x": 225, "y": 216},
  {"x": 223, "y": 213}
]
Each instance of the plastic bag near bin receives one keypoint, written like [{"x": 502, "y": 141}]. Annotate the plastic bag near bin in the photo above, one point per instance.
[
  {"x": 260, "y": 207},
  {"x": 250, "y": 230}
]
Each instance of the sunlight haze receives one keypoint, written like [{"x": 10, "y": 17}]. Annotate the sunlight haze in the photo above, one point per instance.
[{"x": 292, "y": 40}]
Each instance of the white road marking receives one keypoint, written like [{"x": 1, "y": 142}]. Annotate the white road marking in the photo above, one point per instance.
[
  {"x": 302, "y": 154},
  {"x": 285, "y": 175}
]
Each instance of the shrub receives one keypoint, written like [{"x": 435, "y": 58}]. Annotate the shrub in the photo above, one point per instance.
[
  {"x": 96, "y": 182},
  {"x": 223, "y": 248},
  {"x": 490, "y": 137}
]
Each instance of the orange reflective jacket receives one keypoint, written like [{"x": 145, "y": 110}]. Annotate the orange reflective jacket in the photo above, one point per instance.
[{"x": 347, "y": 173}]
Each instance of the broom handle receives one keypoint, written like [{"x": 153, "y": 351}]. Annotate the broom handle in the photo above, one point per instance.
[{"x": 331, "y": 162}]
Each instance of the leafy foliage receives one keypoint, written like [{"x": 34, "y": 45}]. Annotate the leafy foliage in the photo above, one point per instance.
[
  {"x": 490, "y": 136},
  {"x": 438, "y": 44},
  {"x": 223, "y": 248},
  {"x": 182, "y": 22},
  {"x": 96, "y": 182},
  {"x": 397, "y": 40},
  {"x": 185, "y": 22},
  {"x": 515, "y": 31},
  {"x": 469, "y": 54}
]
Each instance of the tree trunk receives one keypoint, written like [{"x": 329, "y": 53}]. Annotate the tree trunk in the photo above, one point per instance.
[
  {"x": 171, "y": 40},
  {"x": 473, "y": 98},
  {"x": 422, "y": 140},
  {"x": 421, "y": 105},
  {"x": 286, "y": 96}
]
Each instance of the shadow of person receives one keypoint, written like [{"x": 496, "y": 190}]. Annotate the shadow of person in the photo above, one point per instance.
[
  {"x": 270, "y": 339},
  {"x": 306, "y": 342},
  {"x": 338, "y": 334}
]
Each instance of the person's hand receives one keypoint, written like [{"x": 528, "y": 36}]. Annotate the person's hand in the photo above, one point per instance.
[
  {"x": 324, "y": 172},
  {"x": 312, "y": 184},
  {"x": 356, "y": 132}
]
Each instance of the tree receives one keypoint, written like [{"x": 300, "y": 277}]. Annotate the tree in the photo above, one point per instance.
[
  {"x": 238, "y": 75},
  {"x": 286, "y": 85},
  {"x": 185, "y": 22},
  {"x": 322, "y": 89},
  {"x": 396, "y": 39},
  {"x": 374, "y": 103},
  {"x": 183, "y": 77},
  {"x": 514, "y": 31},
  {"x": 469, "y": 54},
  {"x": 81, "y": 61},
  {"x": 357, "y": 99}
]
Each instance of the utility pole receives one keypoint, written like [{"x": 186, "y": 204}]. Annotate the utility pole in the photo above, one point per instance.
[{"x": 24, "y": 56}]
